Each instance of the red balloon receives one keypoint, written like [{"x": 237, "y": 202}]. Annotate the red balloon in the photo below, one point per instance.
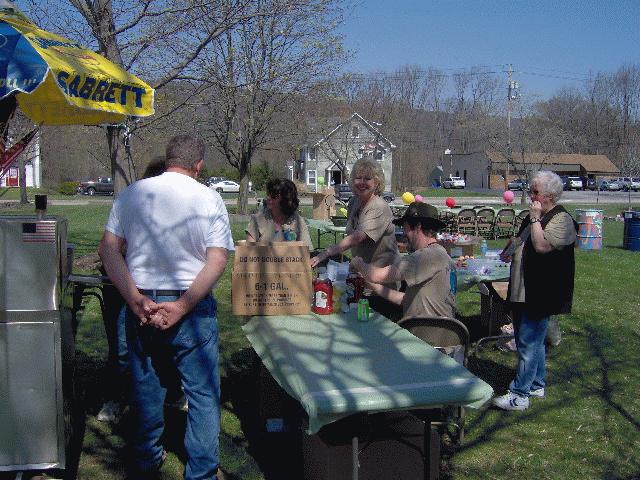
[
  {"x": 508, "y": 196},
  {"x": 450, "y": 202}
]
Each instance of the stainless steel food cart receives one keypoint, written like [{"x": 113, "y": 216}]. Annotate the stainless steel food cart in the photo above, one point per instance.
[{"x": 36, "y": 344}]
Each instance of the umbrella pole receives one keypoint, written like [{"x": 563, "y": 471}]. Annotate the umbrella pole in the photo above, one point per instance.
[{"x": 7, "y": 109}]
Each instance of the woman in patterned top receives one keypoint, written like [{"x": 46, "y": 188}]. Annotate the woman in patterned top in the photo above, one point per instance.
[{"x": 279, "y": 215}]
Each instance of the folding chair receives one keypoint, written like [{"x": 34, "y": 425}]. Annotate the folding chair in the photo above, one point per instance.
[
  {"x": 450, "y": 221},
  {"x": 494, "y": 313},
  {"x": 503, "y": 223},
  {"x": 485, "y": 218},
  {"x": 467, "y": 221},
  {"x": 518, "y": 221},
  {"x": 451, "y": 337}
]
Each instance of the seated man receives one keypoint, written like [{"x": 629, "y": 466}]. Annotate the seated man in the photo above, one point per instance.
[{"x": 426, "y": 271}]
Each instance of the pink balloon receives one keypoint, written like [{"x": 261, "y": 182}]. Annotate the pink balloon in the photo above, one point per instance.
[
  {"x": 508, "y": 196},
  {"x": 419, "y": 198},
  {"x": 450, "y": 202}
]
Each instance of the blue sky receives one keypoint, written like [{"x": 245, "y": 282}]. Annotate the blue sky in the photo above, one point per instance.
[{"x": 542, "y": 39}]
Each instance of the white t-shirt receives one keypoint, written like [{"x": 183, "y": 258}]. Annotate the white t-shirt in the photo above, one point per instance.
[{"x": 168, "y": 222}]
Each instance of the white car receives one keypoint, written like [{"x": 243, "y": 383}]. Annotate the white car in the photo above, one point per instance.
[
  {"x": 453, "y": 182},
  {"x": 225, "y": 186}
]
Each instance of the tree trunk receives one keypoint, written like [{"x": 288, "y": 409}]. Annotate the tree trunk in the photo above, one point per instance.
[
  {"x": 122, "y": 172},
  {"x": 22, "y": 175},
  {"x": 243, "y": 195}
]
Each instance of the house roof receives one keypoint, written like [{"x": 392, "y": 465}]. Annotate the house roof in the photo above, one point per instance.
[
  {"x": 357, "y": 116},
  {"x": 591, "y": 163}
]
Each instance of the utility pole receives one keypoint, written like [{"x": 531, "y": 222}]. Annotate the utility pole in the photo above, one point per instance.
[{"x": 512, "y": 94}]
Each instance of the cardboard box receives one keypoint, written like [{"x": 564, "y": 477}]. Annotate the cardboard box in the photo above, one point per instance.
[
  {"x": 463, "y": 247},
  {"x": 271, "y": 279},
  {"x": 457, "y": 250},
  {"x": 324, "y": 204}
]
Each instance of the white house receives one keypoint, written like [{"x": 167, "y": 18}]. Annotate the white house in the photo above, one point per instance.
[{"x": 332, "y": 156}]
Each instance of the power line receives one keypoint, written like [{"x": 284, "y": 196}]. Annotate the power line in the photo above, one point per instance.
[{"x": 475, "y": 70}]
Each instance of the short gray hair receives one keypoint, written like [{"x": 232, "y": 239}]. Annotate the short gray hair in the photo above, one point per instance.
[
  {"x": 369, "y": 167},
  {"x": 550, "y": 184},
  {"x": 184, "y": 151}
]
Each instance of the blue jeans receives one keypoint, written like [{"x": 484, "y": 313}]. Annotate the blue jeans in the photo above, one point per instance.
[
  {"x": 530, "y": 334},
  {"x": 192, "y": 345}
]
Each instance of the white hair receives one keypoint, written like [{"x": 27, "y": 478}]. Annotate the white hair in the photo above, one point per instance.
[{"x": 550, "y": 184}]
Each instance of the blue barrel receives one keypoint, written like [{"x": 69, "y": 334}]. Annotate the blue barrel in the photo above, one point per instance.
[
  {"x": 631, "y": 240},
  {"x": 589, "y": 229}
]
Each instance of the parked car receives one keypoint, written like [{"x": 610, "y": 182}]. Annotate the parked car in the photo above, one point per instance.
[
  {"x": 610, "y": 185},
  {"x": 211, "y": 180},
  {"x": 589, "y": 183},
  {"x": 518, "y": 184},
  {"x": 571, "y": 183},
  {"x": 454, "y": 182},
  {"x": 225, "y": 186},
  {"x": 102, "y": 186},
  {"x": 629, "y": 183},
  {"x": 344, "y": 193}
]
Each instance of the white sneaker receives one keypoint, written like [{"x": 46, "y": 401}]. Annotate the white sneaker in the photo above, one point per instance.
[
  {"x": 110, "y": 412},
  {"x": 511, "y": 401},
  {"x": 538, "y": 393}
]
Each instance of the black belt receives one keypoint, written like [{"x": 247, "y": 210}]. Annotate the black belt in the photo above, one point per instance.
[{"x": 162, "y": 293}]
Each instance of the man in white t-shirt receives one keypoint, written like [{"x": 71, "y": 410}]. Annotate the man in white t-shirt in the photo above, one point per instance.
[{"x": 178, "y": 239}]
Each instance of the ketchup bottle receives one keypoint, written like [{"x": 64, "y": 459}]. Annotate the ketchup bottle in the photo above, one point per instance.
[{"x": 322, "y": 296}]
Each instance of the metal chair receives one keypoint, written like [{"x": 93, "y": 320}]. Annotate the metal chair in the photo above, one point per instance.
[
  {"x": 450, "y": 221},
  {"x": 467, "y": 221},
  {"x": 518, "y": 221},
  {"x": 485, "y": 218},
  {"x": 451, "y": 337},
  {"x": 494, "y": 313},
  {"x": 503, "y": 223}
]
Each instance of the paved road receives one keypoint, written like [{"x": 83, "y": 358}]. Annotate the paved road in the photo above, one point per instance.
[{"x": 579, "y": 197}]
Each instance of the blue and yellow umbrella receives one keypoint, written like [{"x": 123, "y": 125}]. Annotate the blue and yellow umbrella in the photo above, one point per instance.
[{"x": 58, "y": 82}]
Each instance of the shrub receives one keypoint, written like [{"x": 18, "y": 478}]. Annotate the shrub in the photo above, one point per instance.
[
  {"x": 261, "y": 174},
  {"x": 68, "y": 188}
]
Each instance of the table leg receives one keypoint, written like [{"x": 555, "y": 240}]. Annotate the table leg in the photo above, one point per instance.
[
  {"x": 354, "y": 458},
  {"x": 431, "y": 451}
]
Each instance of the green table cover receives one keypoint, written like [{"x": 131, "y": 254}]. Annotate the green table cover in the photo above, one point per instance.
[{"x": 335, "y": 366}]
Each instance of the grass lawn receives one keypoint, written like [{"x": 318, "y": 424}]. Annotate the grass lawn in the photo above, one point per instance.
[
  {"x": 588, "y": 426},
  {"x": 14, "y": 194}
]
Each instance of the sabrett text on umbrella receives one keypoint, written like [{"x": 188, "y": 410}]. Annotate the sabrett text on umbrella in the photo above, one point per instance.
[{"x": 99, "y": 90}]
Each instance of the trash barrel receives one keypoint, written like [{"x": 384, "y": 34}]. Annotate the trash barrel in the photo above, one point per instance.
[
  {"x": 631, "y": 239},
  {"x": 589, "y": 229}
]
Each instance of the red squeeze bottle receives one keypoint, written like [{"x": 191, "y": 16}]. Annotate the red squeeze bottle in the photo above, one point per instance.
[{"x": 322, "y": 297}]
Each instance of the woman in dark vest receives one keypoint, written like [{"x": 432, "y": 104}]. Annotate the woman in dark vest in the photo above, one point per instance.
[{"x": 541, "y": 284}]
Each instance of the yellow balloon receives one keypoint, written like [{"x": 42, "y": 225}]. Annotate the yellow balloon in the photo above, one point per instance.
[
  {"x": 407, "y": 197},
  {"x": 342, "y": 211}
]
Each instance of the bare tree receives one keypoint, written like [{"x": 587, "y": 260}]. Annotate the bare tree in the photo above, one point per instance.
[
  {"x": 156, "y": 39},
  {"x": 259, "y": 68}
]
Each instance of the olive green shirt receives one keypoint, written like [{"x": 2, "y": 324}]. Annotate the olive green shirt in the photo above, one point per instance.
[
  {"x": 427, "y": 273},
  {"x": 373, "y": 219},
  {"x": 263, "y": 229}
]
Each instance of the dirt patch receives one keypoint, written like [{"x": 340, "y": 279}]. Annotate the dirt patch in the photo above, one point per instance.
[{"x": 87, "y": 262}]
